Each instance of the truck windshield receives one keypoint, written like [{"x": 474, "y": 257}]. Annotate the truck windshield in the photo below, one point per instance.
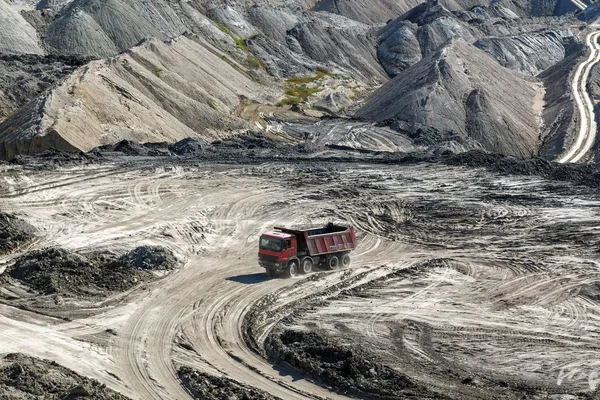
[{"x": 268, "y": 243}]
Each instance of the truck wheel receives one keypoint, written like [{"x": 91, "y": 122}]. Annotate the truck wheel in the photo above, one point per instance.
[
  {"x": 306, "y": 266},
  {"x": 333, "y": 262},
  {"x": 292, "y": 269},
  {"x": 346, "y": 260}
]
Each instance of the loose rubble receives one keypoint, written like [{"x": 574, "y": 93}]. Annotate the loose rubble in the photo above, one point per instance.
[
  {"x": 204, "y": 386},
  {"x": 28, "y": 378},
  {"x": 14, "y": 232},
  {"x": 56, "y": 271}
]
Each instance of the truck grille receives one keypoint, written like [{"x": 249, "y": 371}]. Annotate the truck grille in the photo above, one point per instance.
[{"x": 267, "y": 258}]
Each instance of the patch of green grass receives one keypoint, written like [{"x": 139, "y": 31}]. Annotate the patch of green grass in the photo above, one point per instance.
[
  {"x": 223, "y": 28},
  {"x": 157, "y": 71},
  {"x": 255, "y": 61},
  {"x": 288, "y": 101},
  {"x": 320, "y": 73},
  {"x": 299, "y": 91},
  {"x": 242, "y": 44},
  {"x": 295, "y": 94}
]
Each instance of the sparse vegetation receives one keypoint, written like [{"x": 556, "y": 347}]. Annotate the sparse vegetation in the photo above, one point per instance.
[
  {"x": 157, "y": 71},
  {"x": 320, "y": 73},
  {"x": 242, "y": 44},
  {"x": 297, "y": 91},
  {"x": 230, "y": 62}
]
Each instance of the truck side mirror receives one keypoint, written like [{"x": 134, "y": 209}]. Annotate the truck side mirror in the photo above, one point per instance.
[{"x": 287, "y": 244}]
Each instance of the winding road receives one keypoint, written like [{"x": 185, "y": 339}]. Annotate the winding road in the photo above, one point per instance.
[{"x": 586, "y": 133}]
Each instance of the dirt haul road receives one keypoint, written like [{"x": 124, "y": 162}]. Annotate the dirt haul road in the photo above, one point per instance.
[
  {"x": 586, "y": 131},
  {"x": 212, "y": 215}
]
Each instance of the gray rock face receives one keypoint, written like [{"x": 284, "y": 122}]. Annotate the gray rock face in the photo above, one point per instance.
[
  {"x": 104, "y": 28},
  {"x": 17, "y": 36},
  {"x": 499, "y": 111},
  {"x": 441, "y": 30},
  {"x": 337, "y": 41},
  {"x": 374, "y": 11},
  {"x": 333, "y": 103},
  {"x": 530, "y": 53},
  {"x": 515, "y": 43},
  {"x": 399, "y": 47}
]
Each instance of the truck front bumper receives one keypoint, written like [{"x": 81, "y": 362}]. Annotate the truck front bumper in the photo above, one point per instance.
[{"x": 273, "y": 266}]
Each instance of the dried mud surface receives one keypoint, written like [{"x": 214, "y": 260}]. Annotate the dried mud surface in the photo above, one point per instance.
[{"x": 467, "y": 283}]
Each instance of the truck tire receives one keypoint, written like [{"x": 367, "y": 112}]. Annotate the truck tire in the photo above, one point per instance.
[
  {"x": 292, "y": 269},
  {"x": 333, "y": 262},
  {"x": 306, "y": 265},
  {"x": 346, "y": 260}
]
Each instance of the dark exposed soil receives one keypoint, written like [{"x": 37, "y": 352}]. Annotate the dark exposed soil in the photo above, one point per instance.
[
  {"x": 23, "y": 77},
  {"x": 13, "y": 232},
  {"x": 208, "y": 387},
  {"x": 52, "y": 158},
  {"x": 28, "y": 378},
  {"x": 189, "y": 147},
  {"x": 253, "y": 148},
  {"x": 59, "y": 271},
  {"x": 347, "y": 370},
  {"x": 150, "y": 258},
  {"x": 586, "y": 174}
]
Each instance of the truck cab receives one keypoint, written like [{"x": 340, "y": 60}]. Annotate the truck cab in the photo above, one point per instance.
[{"x": 275, "y": 250}]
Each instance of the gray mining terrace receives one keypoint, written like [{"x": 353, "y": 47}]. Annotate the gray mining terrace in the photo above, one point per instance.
[{"x": 465, "y": 284}]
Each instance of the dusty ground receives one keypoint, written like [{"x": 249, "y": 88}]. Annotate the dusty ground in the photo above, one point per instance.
[{"x": 513, "y": 309}]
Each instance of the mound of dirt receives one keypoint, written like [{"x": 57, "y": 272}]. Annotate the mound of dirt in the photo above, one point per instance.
[
  {"x": 13, "y": 232},
  {"x": 53, "y": 156},
  {"x": 247, "y": 141},
  {"x": 443, "y": 80},
  {"x": 347, "y": 370},
  {"x": 59, "y": 271},
  {"x": 189, "y": 147},
  {"x": 208, "y": 387},
  {"x": 28, "y": 378},
  {"x": 585, "y": 174},
  {"x": 149, "y": 257}
]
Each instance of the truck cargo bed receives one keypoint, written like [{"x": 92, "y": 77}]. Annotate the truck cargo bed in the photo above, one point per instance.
[{"x": 328, "y": 239}]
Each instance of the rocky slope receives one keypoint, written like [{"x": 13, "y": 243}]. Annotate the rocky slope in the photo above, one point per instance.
[
  {"x": 155, "y": 92},
  {"x": 17, "y": 36},
  {"x": 169, "y": 70},
  {"x": 22, "y": 78},
  {"x": 461, "y": 89},
  {"x": 525, "y": 45}
]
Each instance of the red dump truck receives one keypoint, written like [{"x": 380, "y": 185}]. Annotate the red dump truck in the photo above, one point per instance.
[{"x": 291, "y": 251}]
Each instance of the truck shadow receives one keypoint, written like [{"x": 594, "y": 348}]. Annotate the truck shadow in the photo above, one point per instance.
[{"x": 249, "y": 279}]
